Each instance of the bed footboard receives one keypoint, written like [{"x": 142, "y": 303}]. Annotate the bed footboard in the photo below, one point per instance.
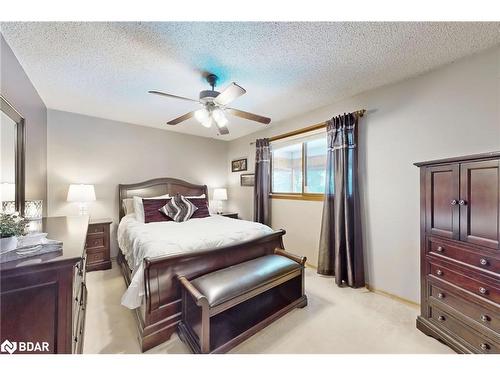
[{"x": 160, "y": 312}]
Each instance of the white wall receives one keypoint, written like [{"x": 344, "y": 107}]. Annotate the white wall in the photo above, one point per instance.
[
  {"x": 17, "y": 88},
  {"x": 83, "y": 149},
  {"x": 451, "y": 111}
]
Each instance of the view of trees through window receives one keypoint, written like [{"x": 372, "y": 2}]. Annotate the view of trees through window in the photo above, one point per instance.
[{"x": 298, "y": 167}]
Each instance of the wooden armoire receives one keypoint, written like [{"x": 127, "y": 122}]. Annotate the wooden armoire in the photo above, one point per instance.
[{"x": 460, "y": 252}]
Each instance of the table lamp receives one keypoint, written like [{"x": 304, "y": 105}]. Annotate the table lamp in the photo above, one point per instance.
[
  {"x": 82, "y": 194},
  {"x": 219, "y": 196}
]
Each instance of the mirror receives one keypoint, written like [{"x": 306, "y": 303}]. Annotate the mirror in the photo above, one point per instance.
[{"x": 11, "y": 158}]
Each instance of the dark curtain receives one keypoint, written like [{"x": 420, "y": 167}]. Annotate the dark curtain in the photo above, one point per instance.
[
  {"x": 262, "y": 188},
  {"x": 341, "y": 246}
]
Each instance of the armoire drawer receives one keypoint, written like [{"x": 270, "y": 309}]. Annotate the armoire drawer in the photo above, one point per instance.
[
  {"x": 475, "y": 341},
  {"x": 449, "y": 296},
  {"x": 480, "y": 259},
  {"x": 477, "y": 285}
]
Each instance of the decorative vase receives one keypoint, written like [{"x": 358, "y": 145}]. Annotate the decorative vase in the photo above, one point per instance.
[{"x": 8, "y": 244}]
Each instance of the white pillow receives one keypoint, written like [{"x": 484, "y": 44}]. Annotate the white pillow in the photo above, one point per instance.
[
  {"x": 197, "y": 196},
  {"x": 128, "y": 205},
  {"x": 139, "y": 207}
]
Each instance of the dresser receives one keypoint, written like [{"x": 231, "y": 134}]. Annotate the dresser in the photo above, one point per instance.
[
  {"x": 43, "y": 298},
  {"x": 97, "y": 245},
  {"x": 460, "y": 252}
]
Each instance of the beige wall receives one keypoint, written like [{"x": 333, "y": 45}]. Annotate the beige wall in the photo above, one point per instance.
[
  {"x": 17, "y": 88},
  {"x": 448, "y": 112},
  {"x": 105, "y": 153}
]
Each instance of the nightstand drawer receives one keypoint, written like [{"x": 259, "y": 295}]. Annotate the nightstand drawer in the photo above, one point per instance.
[
  {"x": 96, "y": 257},
  {"x": 96, "y": 228},
  {"x": 94, "y": 241}
]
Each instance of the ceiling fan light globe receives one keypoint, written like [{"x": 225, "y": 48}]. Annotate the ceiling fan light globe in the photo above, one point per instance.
[
  {"x": 208, "y": 122},
  {"x": 202, "y": 115},
  {"x": 219, "y": 117}
]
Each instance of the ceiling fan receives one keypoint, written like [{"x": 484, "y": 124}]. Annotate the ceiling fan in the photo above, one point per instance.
[{"x": 214, "y": 106}]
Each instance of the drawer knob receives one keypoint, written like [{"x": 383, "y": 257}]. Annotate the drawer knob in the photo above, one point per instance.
[
  {"x": 483, "y": 262},
  {"x": 441, "y": 295},
  {"x": 453, "y": 202},
  {"x": 485, "y": 346},
  {"x": 440, "y": 249},
  {"x": 441, "y": 318},
  {"x": 483, "y": 290},
  {"x": 461, "y": 202},
  {"x": 439, "y": 273},
  {"x": 485, "y": 318}
]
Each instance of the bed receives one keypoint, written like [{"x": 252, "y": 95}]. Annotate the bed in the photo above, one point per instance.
[{"x": 159, "y": 311}]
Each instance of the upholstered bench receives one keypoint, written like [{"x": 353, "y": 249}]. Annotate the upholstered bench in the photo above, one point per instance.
[{"x": 223, "y": 308}]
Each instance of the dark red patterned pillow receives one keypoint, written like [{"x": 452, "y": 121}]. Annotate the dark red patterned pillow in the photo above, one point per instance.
[
  {"x": 202, "y": 205},
  {"x": 151, "y": 210}
]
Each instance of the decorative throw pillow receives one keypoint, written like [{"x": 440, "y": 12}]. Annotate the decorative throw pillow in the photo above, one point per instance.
[
  {"x": 139, "y": 208},
  {"x": 152, "y": 208},
  {"x": 179, "y": 209},
  {"x": 202, "y": 205}
]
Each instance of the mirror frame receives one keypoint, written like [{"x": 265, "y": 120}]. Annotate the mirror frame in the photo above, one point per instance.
[{"x": 20, "y": 147}]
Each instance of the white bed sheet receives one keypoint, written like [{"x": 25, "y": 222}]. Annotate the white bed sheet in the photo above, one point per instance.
[{"x": 138, "y": 240}]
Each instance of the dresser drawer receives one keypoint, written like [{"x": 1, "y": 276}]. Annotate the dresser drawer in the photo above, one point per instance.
[
  {"x": 94, "y": 241},
  {"x": 449, "y": 296},
  {"x": 475, "y": 341},
  {"x": 474, "y": 284},
  {"x": 475, "y": 258}
]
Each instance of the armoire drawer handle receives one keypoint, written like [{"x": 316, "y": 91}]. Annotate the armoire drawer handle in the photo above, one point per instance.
[
  {"x": 485, "y": 318},
  {"x": 483, "y": 290},
  {"x": 485, "y": 346},
  {"x": 483, "y": 262},
  {"x": 441, "y": 295},
  {"x": 440, "y": 249},
  {"x": 439, "y": 273},
  {"x": 461, "y": 202},
  {"x": 441, "y": 318},
  {"x": 453, "y": 202}
]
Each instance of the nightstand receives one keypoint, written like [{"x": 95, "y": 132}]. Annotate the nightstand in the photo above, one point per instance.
[
  {"x": 232, "y": 215},
  {"x": 97, "y": 245}
]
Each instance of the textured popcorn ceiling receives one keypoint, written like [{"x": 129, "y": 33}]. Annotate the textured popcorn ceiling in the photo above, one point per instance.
[{"x": 106, "y": 69}]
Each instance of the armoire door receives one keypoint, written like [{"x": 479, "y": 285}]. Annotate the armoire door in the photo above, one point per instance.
[
  {"x": 442, "y": 195},
  {"x": 480, "y": 203}
]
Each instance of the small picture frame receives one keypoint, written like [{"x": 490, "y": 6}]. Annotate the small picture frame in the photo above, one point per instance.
[
  {"x": 247, "y": 179},
  {"x": 239, "y": 165}
]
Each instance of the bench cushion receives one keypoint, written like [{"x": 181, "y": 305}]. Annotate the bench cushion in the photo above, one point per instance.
[{"x": 228, "y": 283}]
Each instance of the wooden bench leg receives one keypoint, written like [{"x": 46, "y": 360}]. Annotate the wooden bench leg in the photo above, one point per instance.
[{"x": 205, "y": 329}]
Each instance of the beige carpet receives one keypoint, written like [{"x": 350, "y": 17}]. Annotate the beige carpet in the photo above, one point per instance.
[{"x": 337, "y": 320}]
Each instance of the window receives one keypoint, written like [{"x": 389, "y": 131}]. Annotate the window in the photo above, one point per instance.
[{"x": 299, "y": 166}]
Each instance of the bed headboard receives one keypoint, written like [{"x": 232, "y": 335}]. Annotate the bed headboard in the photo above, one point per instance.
[{"x": 158, "y": 186}]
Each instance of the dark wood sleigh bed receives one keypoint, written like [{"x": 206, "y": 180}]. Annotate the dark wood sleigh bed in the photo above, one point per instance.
[{"x": 160, "y": 313}]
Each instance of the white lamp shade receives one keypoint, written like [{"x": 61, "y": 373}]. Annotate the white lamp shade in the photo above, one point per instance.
[
  {"x": 81, "y": 193},
  {"x": 220, "y": 194},
  {"x": 8, "y": 192}
]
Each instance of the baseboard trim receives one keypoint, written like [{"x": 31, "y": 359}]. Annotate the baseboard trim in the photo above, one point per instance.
[
  {"x": 382, "y": 292},
  {"x": 392, "y": 296}
]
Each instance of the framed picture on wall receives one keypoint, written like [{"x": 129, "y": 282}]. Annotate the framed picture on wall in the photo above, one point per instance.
[
  {"x": 239, "y": 165},
  {"x": 247, "y": 179}
]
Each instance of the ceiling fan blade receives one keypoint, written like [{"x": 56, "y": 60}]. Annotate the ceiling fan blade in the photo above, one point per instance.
[
  {"x": 178, "y": 120},
  {"x": 223, "y": 130},
  {"x": 230, "y": 93},
  {"x": 248, "y": 116},
  {"x": 172, "y": 96}
]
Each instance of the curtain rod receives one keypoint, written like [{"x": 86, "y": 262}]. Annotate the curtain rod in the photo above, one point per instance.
[{"x": 358, "y": 113}]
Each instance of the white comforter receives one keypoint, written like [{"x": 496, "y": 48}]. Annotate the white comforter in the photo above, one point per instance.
[{"x": 138, "y": 240}]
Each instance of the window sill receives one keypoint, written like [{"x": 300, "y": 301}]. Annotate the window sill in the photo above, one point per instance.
[{"x": 300, "y": 197}]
